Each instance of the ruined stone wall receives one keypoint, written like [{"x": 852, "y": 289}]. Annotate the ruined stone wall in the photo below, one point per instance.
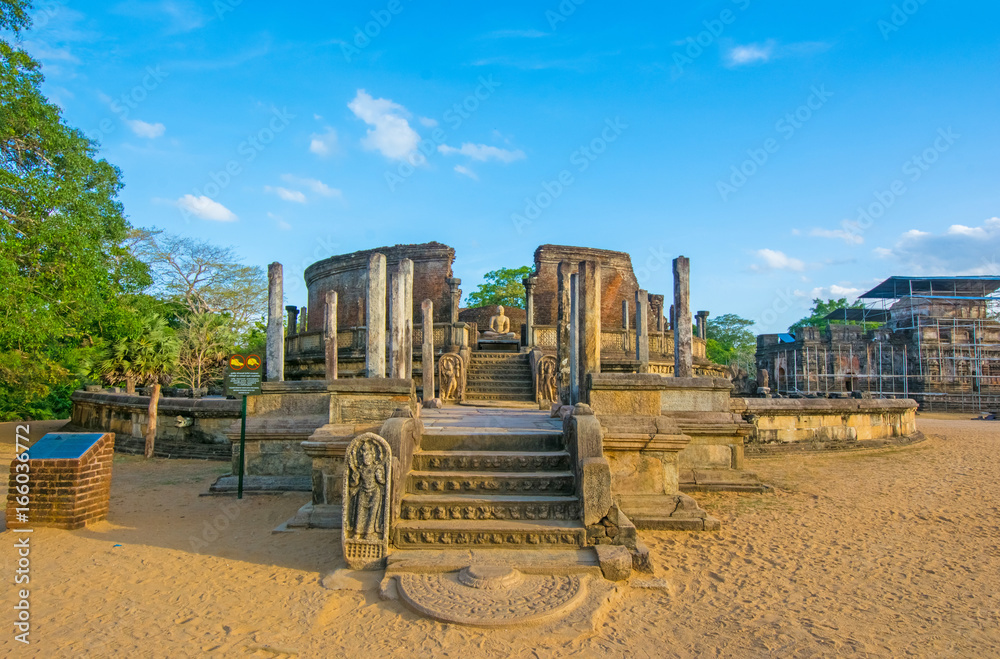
[
  {"x": 347, "y": 274},
  {"x": 482, "y": 315},
  {"x": 618, "y": 283}
]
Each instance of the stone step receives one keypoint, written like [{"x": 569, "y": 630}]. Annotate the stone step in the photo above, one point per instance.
[
  {"x": 499, "y": 482},
  {"x": 520, "y": 534},
  {"x": 491, "y": 397},
  {"x": 521, "y": 360},
  {"x": 500, "y": 388},
  {"x": 498, "y": 370},
  {"x": 487, "y": 460},
  {"x": 540, "y": 440},
  {"x": 484, "y": 507}
]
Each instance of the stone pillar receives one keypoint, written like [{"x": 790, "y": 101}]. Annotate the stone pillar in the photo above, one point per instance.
[
  {"x": 397, "y": 323},
  {"x": 330, "y": 334},
  {"x": 275, "y": 324},
  {"x": 656, "y": 308},
  {"x": 574, "y": 339},
  {"x": 303, "y": 321},
  {"x": 529, "y": 310},
  {"x": 625, "y": 325},
  {"x": 427, "y": 348},
  {"x": 375, "y": 317},
  {"x": 563, "y": 273},
  {"x": 456, "y": 300},
  {"x": 406, "y": 273},
  {"x": 642, "y": 330},
  {"x": 293, "y": 319},
  {"x": 673, "y": 319},
  {"x": 683, "y": 339},
  {"x": 589, "y": 294},
  {"x": 702, "y": 317}
]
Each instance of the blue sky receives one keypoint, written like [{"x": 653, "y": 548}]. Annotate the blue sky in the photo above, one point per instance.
[{"x": 788, "y": 153}]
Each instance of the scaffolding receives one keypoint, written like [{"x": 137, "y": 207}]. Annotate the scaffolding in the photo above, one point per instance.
[{"x": 934, "y": 339}]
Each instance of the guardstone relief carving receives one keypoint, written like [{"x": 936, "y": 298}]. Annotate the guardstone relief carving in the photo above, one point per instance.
[
  {"x": 451, "y": 372},
  {"x": 546, "y": 388},
  {"x": 367, "y": 479}
]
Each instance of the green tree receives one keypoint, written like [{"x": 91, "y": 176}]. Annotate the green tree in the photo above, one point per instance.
[
  {"x": 67, "y": 274},
  {"x": 822, "y": 308},
  {"x": 501, "y": 287},
  {"x": 729, "y": 340},
  {"x": 206, "y": 340}
]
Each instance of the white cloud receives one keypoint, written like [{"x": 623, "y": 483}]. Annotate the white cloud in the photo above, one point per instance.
[
  {"x": 282, "y": 224},
  {"x": 960, "y": 250},
  {"x": 390, "y": 134},
  {"x": 482, "y": 152},
  {"x": 775, "y": 260},
  {"x": 835, "y": 291},
  {"x": 849, "y": 233},
  {"x": 427, "y": 121},
  {"x": 286, "y": 194},
  {"x": 323, "y": 144},
  {"x": 317, "y": 186},
  {"x": 750, "y": 53},
  {"x": 144, "y": 129},
  {"x": 205, "y": 208},
  {"x": 465, "y": 171}
]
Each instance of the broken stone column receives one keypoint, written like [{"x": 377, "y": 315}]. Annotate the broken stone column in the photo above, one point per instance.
[
  {"x": 293, "y": 319},
  {"x": 574, "y": 339},
  {"x": 427, "y": 349},
  {"x": 529, "y": 310},
  {"x": 702, "y": 317},
  {"x": 375, "y": 317},
  {"x": 303, "y": 321},
  {"x": 656, "y": 309},
  {"x": 397, "y": 323},
  {"x": 683, "y": 339},
  {"x": 673, "y": 319},
  {"x": 563, "y": 273},
  {"x": 406, "y": 271},
  {"x": 275, "y": 324},
  {"x": 330, "y": 335},
  {"x": 456, "y": 300},
  {"x": 642, "y": 330},
  {"x": 589, "y": 314},
  {"x": 625, "y": 325}
]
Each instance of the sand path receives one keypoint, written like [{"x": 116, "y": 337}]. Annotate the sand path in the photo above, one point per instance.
[{"x": 886, "y": 553}]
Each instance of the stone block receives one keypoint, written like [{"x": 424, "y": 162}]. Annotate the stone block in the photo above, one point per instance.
[
  {"x": 595, "y": 476},
  {"x": 616, "y": 562}
]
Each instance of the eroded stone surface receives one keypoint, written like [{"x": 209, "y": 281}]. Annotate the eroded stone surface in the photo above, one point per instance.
[{"x": 532, "y": 600}]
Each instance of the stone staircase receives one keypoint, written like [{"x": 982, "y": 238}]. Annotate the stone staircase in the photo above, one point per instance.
[
  {"x": 481, "y": 488},
  {"x": 499, "y": 376}
]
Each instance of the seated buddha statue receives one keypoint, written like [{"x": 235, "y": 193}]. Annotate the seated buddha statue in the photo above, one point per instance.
[{"x": 499, "y": 327}]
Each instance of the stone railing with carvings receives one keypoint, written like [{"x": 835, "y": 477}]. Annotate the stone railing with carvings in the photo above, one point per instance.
[{"x": 619, "y": 342}]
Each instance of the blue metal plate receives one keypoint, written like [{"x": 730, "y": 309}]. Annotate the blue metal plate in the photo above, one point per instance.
[{"x": 63, "y": 445}]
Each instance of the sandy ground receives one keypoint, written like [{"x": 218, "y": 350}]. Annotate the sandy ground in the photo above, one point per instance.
[{"x": 885, "y": 553}]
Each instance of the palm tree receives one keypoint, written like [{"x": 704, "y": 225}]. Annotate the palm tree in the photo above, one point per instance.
[{"x": 147, "y": 358}]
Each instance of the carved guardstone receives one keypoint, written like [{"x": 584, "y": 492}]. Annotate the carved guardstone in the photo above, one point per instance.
[
  {"x": 451, "y": 372},
  {"x": 367, "y": 502}
]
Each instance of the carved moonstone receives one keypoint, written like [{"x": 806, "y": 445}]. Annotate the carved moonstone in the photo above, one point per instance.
[{"x": 367, "y": 502}]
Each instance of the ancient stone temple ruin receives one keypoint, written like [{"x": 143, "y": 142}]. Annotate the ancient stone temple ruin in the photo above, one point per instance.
[{"x": 933, "y": 339}]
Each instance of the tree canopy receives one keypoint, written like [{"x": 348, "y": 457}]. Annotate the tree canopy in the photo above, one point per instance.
[
  {"x": 821, "y": 308},
  {"x": 729, "y": 340},
  {"x": 501, "y": 287}
]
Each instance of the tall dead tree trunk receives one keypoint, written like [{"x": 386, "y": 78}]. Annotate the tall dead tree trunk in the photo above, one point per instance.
[{"x": 154, "y": 404}]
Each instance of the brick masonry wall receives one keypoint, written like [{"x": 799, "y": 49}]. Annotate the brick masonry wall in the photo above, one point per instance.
[
  {"x": 66, "y": 494},
  {"x": 618, "y": 283},
  {"x": 348, "y": 275}
]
